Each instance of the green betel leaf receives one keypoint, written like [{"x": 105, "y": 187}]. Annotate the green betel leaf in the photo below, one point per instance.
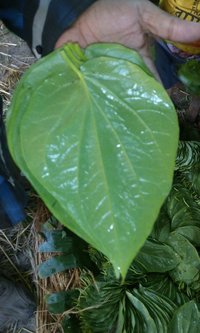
[
  {"x": 97, "y": 136},
  {"x": 116, "y": 51}
]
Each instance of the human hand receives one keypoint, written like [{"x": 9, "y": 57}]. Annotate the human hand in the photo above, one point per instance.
[{"x": 131, "y": 23}]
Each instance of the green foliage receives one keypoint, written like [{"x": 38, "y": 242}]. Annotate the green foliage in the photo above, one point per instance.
[
  {"x": 187, "y": 271},
  {"x": 69, "y": 251},
  {"x": 56, "y": 241},
  {"x": 192, "y": 233},
  {"x": 186, "y": 319},
  {"x": 157, "y": 257},
  {"x": 164, "y": 285},
  {"x": 101, "y": 301},
  {"x": 182, "y": 206},
  {"x": 163, "y": 301},
  {"x": 189, "y": 74},
  {"x": 89, "y": 130},
  {"x": 70, "y": 325},
  {"x": 61, "y": 301},
  {"x": 96, "y": 135},
  {"x": 57, "y": 264},
  {"x": 111, "y": 307},
  {"x": 192, "y": 179},
  {"x": 187, "y": 155}
]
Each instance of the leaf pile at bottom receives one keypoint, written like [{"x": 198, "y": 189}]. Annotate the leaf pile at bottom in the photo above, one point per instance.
[{"x": 161, "y": 292}]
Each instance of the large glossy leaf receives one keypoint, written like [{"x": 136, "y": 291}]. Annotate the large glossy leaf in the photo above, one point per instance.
[{"x": 96, "y": 135}]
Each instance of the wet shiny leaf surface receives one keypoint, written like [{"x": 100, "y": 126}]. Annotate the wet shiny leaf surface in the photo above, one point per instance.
[{"x": 96, "y": 135}]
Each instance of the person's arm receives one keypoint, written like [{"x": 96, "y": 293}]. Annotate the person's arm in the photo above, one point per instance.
[{"x": 41, "y": 22}]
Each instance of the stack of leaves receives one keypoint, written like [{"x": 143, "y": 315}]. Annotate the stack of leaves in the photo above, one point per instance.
[{"x": 96, "y": 135}]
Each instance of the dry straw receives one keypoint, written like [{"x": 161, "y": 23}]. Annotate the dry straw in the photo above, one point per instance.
[{"x": 46, "y": 322}]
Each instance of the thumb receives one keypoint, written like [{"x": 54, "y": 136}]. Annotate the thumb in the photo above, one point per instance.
[{"x": 166, "y": 26}]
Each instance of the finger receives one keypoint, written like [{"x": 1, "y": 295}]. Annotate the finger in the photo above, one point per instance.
[
  {"x": 146, "y": 54},
  {"x": 149, "y": 63},
  {"x": 166, "y": 26}
]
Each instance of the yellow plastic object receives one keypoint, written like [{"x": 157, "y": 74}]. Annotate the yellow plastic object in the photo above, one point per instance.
[{"x": 186, "y": 10}]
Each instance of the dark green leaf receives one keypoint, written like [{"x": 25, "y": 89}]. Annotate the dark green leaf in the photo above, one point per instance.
[
  {"x": 188, "y": 154},
  {"x": 163, "y": 285},
  {"x": 99, "y": 305},
  {"x": 192, "y": 233},
  {"x": 56, "y": 264},
  {"x": 186, "y": 319},
  {"x": 147, "y": 324},
  {"x": 160, "y": 307},
  {"x": 121, "y": 319},
  {"x": 193, "y": 178},
  {"x": 56, "y": 241},
  {"x": 162, "y": 227},
  {"x": 182, "y": 208},
  {"x": 189, "y": 74},
  {"x": 157, "y": 257},
  {"x": 71, "y": 325},
  {"x": 188, "y": 269},
  {"x": 61, "y": 301}
]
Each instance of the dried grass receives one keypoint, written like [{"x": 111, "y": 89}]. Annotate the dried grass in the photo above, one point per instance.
[
  {"x": 16, "y": 253},
  {"x": 46, "y": 322},
  {"x": 14, "y": 240},
  {"x": 15, "y": 58},
  {"x": 27, "y": 239}
]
